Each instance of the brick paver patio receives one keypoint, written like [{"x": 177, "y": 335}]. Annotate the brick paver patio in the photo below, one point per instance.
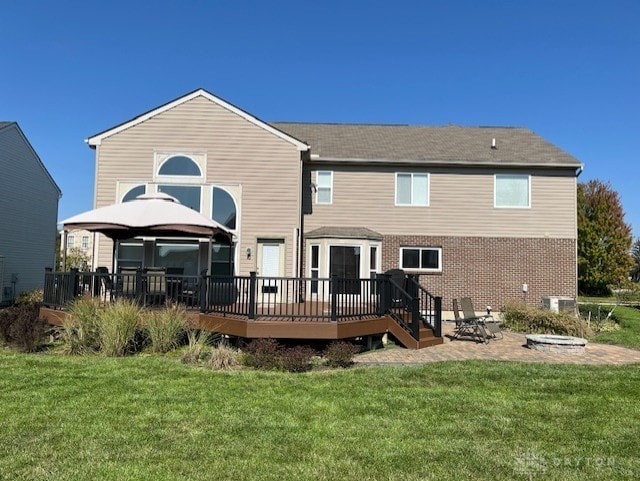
[{"x": 510, "y": 348}]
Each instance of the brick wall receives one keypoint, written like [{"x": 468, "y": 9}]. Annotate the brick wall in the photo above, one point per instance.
[{"x": 491, "y": 270}]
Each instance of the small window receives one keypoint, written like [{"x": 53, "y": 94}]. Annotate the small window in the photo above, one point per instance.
[
  {"x": 324, "y": 187},
  {"x": 315, "y": 267},
  {"x": 421, "y": 258},
  {"x": 133, "y": 193},
  {"x": 179, "y": 165},
  {"x": 85, "y": 241},
  {"x": 512, "y": 191},
  {"x": 412, "y": 189},
  {"x": 71, "y": 242}
]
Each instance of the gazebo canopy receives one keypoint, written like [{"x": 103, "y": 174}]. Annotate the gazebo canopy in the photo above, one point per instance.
[{"x": 157, "y": 214}]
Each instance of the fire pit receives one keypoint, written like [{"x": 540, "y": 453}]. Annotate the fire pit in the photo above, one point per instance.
[{"x": 553, "y": 343}]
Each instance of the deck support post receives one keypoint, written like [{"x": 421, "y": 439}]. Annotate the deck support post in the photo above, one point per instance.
[{"x": 252, "y": 295}]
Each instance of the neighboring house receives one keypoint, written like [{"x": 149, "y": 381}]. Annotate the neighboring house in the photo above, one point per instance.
[
  {"x": 79, "y": 249},
  {"x": 481, "y": 212},
  {"x": 29, "y": 215}
]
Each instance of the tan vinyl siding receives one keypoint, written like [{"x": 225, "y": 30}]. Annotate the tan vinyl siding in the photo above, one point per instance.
[
  {"x": 237, "y": 152},
  {"x": 461, "y": 203}
]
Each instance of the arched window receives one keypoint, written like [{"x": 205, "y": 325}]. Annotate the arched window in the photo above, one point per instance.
[
  {"x": 133, "y": 193},
  {"x": 179, "y": 165},
  {"x": 223, "y": 208}
]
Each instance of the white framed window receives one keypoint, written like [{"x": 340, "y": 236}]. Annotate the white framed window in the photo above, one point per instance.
[
  {"x": 512, "y": 191},
  {"x": 426, "y": 259},
  {"x": 85, "y": 241},
  {"x": 412, "y": 188},
  {"x": 314, "y": 267},
  {"x": 71, "y": 242},
  {"x": 324, "y": 187},
  {"x": 179, "y": 167}
]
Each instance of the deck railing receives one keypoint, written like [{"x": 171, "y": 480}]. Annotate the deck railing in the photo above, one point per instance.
[{"x": 331, "y": 299}]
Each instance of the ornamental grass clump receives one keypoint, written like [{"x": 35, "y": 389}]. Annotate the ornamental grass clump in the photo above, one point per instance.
[
  {"x": 198, "y": 346},
  {"x": 519, "y": 317},
  {"x": 119, "y": 323},
  {"x": 165, "y": 327},
  {"x": 223, "y": 357},
  {"x": 80, "y": 331}
]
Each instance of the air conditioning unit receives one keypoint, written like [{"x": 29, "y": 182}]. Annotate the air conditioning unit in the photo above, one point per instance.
[{"x": 559, "y": 303}]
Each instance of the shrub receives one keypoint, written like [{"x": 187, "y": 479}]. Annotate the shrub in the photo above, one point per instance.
[
  {"x": 296, "y": 359},
  {"x": 164, "y": 327},
  {"x": 22, "y": 326},
  {"x": 340, "y": 354},
  {"x": 601, "y": 318},
  {"x": 262, "y": 354},
  {"x": 223, "y": 357},
  {"x": 118, "y": 325},
  {"x": 35, "y": 296},
  {"x": 519, "y": 317},
  {"x": 198, "y": 347},
  {"x": 80, "y": 331}
]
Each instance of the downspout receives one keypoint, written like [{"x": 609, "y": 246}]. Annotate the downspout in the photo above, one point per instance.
[{"x": 64, "y": 250}]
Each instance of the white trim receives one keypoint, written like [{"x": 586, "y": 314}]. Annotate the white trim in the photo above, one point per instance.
[
  {"x": 421, "y": 248},
  {"x": 412, "y": 204},
  {"x": 97, "y": 139},
  {"x": 162, "y": 156},
  {"x": 495, "y": 185}
]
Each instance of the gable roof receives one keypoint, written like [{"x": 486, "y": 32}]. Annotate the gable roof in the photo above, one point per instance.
[
  {"x": 5, "y": 126},
  {"x": 443, "y": 145},
  {"x": 97, "y": 138}
]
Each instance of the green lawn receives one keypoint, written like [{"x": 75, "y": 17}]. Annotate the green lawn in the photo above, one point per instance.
[
  {"x": 629, "y": 333},
  {"x": 152, "y": 418}
]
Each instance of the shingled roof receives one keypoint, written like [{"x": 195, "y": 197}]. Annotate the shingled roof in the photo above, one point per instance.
[{"x": 437, "y": 145}]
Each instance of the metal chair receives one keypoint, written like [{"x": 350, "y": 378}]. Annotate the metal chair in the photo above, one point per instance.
[
  {"x": 468, "y": 326},
  {"x": 490, "y": 324}
]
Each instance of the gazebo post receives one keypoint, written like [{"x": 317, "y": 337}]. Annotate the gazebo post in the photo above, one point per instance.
[
  {"x": 64, "y": 250},
  {"x": 209, "y": 255}
]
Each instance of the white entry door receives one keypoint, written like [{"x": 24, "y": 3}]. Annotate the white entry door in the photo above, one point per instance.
[{"x": 270, "y": 264}]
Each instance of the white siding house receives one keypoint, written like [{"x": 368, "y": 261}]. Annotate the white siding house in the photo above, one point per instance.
[{"x": 29, "y": 198}]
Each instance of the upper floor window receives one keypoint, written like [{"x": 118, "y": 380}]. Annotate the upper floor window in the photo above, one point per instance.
[
  {"x": 85, "y": 241},
  {"x": 512, "y": 190},
  {"x": 324, "y": 187},
  {"x": 421, "y": 258},
  {"x": 71, "y": 242},
  {"x": 223, "y": 208},
  {"x": 133, "y": 193},
  {"x": 188, "y": 195},
  {"x": 412, "y": 189},
  {"x": 179, "y": 165}
]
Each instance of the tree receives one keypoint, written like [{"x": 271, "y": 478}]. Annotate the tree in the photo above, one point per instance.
[
  {"x": 604, "y": 239},
  {"x": 635, "y": 255}
]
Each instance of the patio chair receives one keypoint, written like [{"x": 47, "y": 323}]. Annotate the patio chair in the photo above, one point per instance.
[
  {"x": 491, "y": 325},
  {"x": 468, "y": 326},
  {"x": 156, "y": 285},
  {"x": 127, "y": 283}
]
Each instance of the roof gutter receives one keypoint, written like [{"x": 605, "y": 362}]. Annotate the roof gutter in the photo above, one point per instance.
[{"x": 440, "y": 163}]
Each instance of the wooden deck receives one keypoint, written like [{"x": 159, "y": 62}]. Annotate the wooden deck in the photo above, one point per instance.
[{"x": 278, "y": 323}]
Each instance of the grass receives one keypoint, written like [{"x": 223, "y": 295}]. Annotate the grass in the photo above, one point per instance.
[
  {"x": 149, "y": 417},
  {"x": 629, "y": 333}
]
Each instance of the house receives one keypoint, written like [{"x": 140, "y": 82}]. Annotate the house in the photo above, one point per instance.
[
  {"x": 486, "y": 212},
  {"x": 29, "y": 215},
  {"x": 79, "y": 249}
]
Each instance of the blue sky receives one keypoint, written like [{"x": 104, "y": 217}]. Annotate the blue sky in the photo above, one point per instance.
[{"x": 568, "y": 70}]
